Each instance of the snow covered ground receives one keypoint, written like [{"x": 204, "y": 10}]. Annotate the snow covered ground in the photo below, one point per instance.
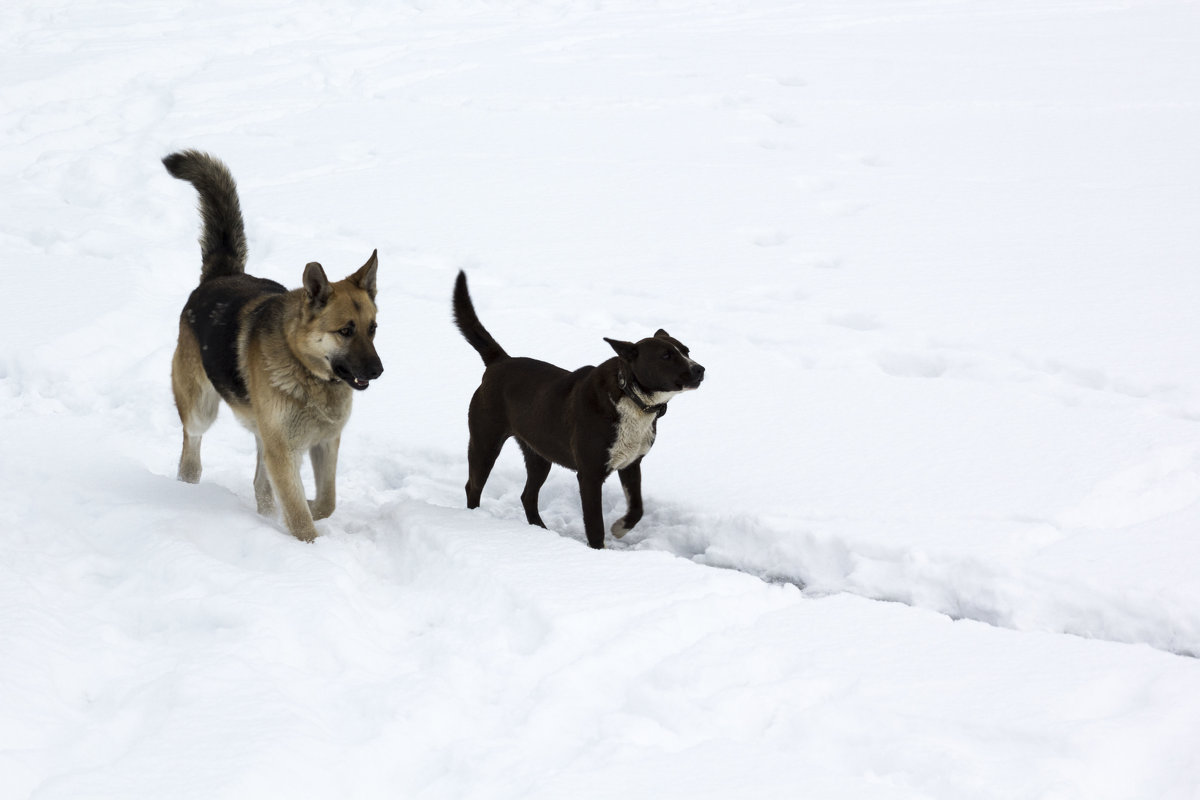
[{"x": 930, "y": 529}]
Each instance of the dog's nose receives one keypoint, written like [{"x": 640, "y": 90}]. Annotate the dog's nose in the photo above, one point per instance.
[
  {"x": 697, "y": 372},
  {"x": 373, "y": 370}
]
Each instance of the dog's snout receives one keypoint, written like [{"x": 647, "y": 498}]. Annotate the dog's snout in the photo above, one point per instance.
[
  {"x": 365, "y": 362},
  {"x": 697, "y": 372}
]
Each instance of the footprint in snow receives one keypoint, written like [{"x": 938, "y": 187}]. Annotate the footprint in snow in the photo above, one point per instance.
[
  {"x": 783, "y": 119},
  {"x": 773, "y": 144},
  {"x": 770, "y": 238},
  {"x": 818, "y": 261},
  {"x": 911, "y": 365},
  {"x": 1167, "y": 482},
  {"x": 855, "y": 321},
  {"x": 863, "y": 159}
]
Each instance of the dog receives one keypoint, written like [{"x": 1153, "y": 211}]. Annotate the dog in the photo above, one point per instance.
[
  {"x": 595, "y": 420},
  {"x": 287, "y": 362}
]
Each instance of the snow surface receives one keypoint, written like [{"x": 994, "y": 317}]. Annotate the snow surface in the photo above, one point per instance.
[{"x": 930, "y": 529}]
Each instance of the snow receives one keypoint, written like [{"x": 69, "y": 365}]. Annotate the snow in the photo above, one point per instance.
[{"x": 928, "y": 530}]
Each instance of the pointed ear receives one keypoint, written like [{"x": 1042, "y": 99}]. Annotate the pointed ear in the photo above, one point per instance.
[
  {"x": 365, "y": 277},
  {"x": 626, "y": 350},
  {"x": 661, "y": 334},
  {"x": 316, "y": 285}
]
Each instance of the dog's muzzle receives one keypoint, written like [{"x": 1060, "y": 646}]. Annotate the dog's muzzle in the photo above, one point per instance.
[
  {"x": 694, "y": 379},
  {"x": 361, "y": 378}
]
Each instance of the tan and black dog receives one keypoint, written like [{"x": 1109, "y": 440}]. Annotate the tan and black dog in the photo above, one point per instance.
[
  {"x": 286, "y": 362},
  {"x": 594, "y": 420}
]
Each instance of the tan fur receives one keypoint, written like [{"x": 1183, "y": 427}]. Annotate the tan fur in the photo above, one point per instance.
[
  {"x": 297, "y": 403},
  {"x": 195, "y": 398}
]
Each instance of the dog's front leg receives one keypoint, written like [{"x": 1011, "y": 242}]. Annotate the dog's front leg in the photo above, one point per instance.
[
  {"x": 284, "y": 471},
  {"x": 324, "y": 463},
  {"x": 264, "y": 496},
  {"x": 593, "y": 510},
  {"x": 631, "y": 482}
]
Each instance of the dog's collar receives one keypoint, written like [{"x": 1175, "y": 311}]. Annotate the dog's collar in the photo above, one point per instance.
[{"x": 627, "y": 388}]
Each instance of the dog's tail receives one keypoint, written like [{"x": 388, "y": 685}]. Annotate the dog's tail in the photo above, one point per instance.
[
  {"x": 470, "y": 326},
  {"x": 223, "y": 240}
]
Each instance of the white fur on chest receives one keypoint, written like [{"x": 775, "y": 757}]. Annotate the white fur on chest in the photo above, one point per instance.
[{"x": 635, "y": 435}]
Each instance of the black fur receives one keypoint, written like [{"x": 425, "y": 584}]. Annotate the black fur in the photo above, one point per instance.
[
  {"x": 223, "y": 238},
  {"x": 214, "y": 313},
  {"x": 470, "y": 326},
  {"x": 214, "y": 309},
  {"x": 567, "y": 418}
]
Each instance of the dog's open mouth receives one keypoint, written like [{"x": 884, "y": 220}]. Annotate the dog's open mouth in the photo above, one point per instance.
[{"x": 352, "y": 380}]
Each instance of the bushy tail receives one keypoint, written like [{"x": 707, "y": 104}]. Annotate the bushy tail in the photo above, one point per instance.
[
  {"x": 470, "y": 326},
  {"x": 223, "y": 240}
]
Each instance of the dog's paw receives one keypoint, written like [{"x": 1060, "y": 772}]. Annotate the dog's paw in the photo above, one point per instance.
[
  {"x": 618, "y": 528},
  {"x": 319, "y": 511}
]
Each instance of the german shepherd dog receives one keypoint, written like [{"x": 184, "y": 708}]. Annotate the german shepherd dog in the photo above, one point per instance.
[
  {"x": 286, "y": 362},
  {"x": 594, "y": 420}
]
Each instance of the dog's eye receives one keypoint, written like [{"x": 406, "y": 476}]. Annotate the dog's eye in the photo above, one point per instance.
[
  {"x": 371, "y": 330},
  {"x": 667, "y": 356},
  {"x": 347, "y": 331}
]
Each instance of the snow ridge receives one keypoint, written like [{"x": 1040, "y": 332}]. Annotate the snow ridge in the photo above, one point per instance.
[{"x": 961, "y": 588}]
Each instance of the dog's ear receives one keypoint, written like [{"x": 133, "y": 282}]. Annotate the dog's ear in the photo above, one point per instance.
[
  {"x": 661, "y": 334},
  {"x": 316, "y": 285},
  {"x": 365, "y": 277},
  {"x": 626, "y": 350}
]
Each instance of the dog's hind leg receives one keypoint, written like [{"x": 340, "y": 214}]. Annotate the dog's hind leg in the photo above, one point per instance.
[
  {"x": 195, "y": 399},
  {"x": 482, "y": 452},
  {"x": 488, "y": 435},
  {"x": 536, "y": 470},
  {"x": 324, "y": 463},
  {"x": 631, "y": 482},
  {"x": 593, "y": 509}
]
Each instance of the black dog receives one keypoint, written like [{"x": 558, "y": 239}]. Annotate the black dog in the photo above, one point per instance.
[{"x": 593, "y": 420}]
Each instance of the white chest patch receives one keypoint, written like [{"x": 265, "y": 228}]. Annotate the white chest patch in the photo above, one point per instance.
[{"x": 635, "y": 435}]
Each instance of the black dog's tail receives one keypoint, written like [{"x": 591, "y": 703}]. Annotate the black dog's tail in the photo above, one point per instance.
[
  {"x": 470, "y": 326},
  {"x": 223, "y": 240}
]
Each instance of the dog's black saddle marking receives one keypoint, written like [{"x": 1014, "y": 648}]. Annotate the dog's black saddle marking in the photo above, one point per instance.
[{"x": 214, "y": 313}]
